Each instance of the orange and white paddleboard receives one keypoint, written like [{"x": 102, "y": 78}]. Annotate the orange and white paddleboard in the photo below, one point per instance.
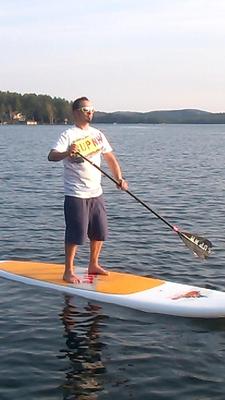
[{"x": 127, "y": 290}]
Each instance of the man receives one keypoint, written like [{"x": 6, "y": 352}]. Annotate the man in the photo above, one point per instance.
[{"x": 84, "y": 208}]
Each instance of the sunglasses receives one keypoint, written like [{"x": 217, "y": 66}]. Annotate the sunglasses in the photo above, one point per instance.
[{"x": 88, "y": 109}]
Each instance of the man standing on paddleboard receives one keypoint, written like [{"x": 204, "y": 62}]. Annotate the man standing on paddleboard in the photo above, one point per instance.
[{"x": 84, "y": 210}]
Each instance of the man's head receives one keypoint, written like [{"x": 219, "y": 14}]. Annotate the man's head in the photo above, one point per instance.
[{"x": 83, "y": 111}]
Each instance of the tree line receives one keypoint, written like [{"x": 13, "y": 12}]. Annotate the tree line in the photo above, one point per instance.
[
  {"x": 43, "y": 109},
  {"x": 18, "y": 108}
]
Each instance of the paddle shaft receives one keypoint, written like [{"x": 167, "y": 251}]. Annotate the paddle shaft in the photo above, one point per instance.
[
  {"x": 131, "y": 194},
  {"x": 200, "y": 247}
]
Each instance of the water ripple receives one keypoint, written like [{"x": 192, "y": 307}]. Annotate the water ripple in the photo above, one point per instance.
[{"x": 55, "y": 346}]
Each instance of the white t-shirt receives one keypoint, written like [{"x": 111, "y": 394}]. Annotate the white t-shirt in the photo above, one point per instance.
[{"x": 81, "y": 179}]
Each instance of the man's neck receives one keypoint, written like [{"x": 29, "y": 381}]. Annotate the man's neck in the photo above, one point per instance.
[{"x": 83, "y": 126}]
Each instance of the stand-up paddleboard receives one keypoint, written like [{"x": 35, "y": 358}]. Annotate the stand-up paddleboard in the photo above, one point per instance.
[{"x": 137, "y": 292}]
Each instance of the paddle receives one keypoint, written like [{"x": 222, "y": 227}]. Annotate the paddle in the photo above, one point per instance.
[{"x": 200, "y": 246}]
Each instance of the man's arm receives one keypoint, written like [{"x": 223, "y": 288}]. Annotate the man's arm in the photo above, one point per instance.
[
  {"x": 55, "y": 155},
  {"x": 115, "y": 169}
]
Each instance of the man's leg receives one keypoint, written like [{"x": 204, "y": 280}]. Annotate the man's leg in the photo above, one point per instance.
[
  {"x": 97, "y": 233},
  {"x": 75, "y": 233},
  {"x": 70, "y": 251},
  {"x": 94, "y": 267}
]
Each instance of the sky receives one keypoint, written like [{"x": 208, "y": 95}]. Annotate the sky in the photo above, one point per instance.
[{"x": 130, "y": 55}]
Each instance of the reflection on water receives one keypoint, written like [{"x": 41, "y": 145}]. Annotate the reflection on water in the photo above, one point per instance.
[{"x": 83, "y": 350}]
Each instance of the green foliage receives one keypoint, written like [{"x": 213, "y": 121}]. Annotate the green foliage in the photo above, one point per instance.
[{"x": 16, "y": 108}]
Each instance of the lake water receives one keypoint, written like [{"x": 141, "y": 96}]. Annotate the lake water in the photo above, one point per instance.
[{"x": 55, "y": 346}]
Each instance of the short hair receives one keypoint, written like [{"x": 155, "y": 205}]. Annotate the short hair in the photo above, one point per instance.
[{"x": 77, "y": 103}]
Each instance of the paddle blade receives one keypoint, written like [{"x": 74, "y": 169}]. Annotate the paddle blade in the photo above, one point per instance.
[{"x": 200, "y": 246}]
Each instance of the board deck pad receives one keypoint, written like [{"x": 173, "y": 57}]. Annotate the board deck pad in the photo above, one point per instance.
[
  {"x": 114, "y": 283},
  {"x": 123, "y": 289}
]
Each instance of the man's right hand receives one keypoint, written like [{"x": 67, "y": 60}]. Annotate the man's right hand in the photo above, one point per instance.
[{"x": 72, "y": 150}]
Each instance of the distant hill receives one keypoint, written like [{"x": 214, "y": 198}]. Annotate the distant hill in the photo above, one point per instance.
[
  {"x": 16, "y": 108},
  {"x": 162, "y": 117}
]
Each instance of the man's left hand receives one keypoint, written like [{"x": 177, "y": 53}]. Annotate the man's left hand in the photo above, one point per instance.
[{"x": 122, "y": 184}]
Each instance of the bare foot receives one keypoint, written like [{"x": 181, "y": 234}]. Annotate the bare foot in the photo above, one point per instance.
[
  {"x": 97, "y": 270},
  {"x": 71, "y": 278}
]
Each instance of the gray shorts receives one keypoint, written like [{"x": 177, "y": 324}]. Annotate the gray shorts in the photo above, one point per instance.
[{"x": 85, "y": 218}]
